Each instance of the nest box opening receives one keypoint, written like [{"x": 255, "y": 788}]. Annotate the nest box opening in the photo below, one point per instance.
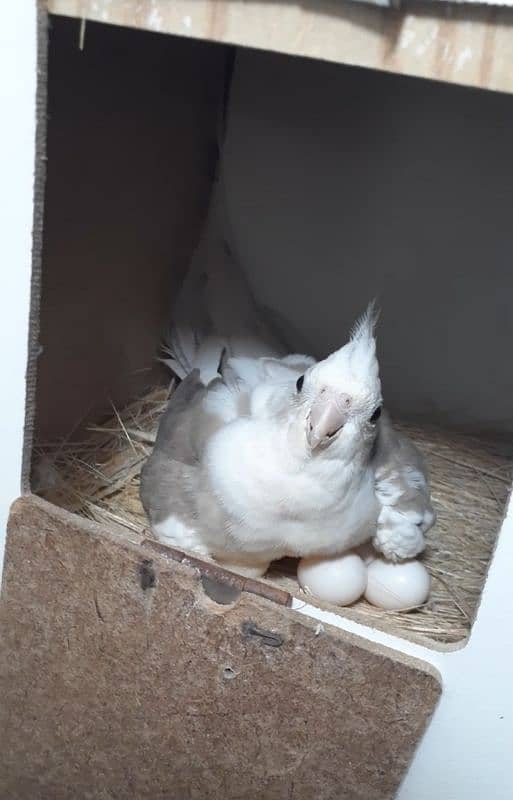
[{"x": 340, "y": 184}]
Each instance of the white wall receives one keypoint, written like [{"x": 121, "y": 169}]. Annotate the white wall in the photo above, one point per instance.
[
  {"x": 466, "y": 753},
  {"x": 17, "y": 147},
  {"x": 345, "y": 183}
]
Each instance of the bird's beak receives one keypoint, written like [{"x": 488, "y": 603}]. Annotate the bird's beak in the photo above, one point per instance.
[{"x": 328, "y": 415}]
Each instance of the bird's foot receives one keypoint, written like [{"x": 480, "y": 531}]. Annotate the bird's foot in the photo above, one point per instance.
[{"x": 397, "y": 537}]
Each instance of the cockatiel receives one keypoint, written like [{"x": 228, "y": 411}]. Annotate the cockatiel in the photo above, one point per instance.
[
  {"x": 286, "y": 457},
  {"x": 260, "y": 454}
]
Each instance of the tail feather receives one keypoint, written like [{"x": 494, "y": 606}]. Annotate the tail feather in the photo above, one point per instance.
[
  {"x": 215, "y": 311},
  {"x": 208, "y": 358},
  {"x": 179, "y": 350}
]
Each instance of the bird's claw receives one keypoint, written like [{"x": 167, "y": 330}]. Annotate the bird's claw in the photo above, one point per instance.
[{"x": 397, "y": 537}]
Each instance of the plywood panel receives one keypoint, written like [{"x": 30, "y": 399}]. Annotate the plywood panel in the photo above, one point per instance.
[
  {"x": 120, "y": 678},
  {"x": 460, "y": 44}
]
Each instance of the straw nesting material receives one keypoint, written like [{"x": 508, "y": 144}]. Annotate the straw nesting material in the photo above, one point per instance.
[{"x": 98, "y": 478}]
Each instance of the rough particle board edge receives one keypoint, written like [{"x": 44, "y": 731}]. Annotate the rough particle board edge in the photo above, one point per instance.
[
  {"x": 37, "y": 241},
  {"x": 216, "y": 573}
]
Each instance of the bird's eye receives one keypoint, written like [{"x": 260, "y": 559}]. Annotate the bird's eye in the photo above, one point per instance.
[
  {"x": 376, "y": 415},
  {"x": 299, "y": 383}
]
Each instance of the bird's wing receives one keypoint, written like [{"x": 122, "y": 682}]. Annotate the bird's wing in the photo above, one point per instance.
[
  {"x": 167, "y": 487},
  {"x": 402, "y": 488},
  {"x": 174, "y": 433},
  {"x": 170, "y": 478}
]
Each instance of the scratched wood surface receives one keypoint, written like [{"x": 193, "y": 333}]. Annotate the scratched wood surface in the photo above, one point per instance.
[{"x": 461, "y": 44}]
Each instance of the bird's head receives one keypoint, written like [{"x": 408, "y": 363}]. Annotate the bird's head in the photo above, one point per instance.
[
  {"x": 340, "y": 398},
  {"x": 336, "y": 402}
]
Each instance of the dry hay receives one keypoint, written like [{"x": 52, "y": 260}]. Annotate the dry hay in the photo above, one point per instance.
[{"x": 470, "y": 479}]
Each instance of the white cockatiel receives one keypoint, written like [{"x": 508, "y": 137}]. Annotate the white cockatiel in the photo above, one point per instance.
[{"x": 258, "y": 458}]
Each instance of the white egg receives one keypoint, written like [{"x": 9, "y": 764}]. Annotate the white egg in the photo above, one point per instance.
[
  {"x": 397, "y": 586},
  {"x": 340, "y": 580}
]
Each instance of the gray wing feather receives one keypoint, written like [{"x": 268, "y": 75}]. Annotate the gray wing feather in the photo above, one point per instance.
[
  {"x": 395, "y": 450},
  {"x": 175, "y": 426},
  {"x": 171, "y": 479},
  {"x": 401, "y": 474}
]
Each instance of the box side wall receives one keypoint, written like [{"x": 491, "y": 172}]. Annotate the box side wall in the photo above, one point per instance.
[{"x": 132, "y": 148}]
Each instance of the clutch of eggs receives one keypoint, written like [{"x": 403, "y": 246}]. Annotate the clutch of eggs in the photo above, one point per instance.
[{"x": 342, "y": 580}]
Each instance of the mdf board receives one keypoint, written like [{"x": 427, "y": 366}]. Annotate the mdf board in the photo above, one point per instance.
[
  {"x": 458, "y": 43},
  {"x": 121, "y": 678}
]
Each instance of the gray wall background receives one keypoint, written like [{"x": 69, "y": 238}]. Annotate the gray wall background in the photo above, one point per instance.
[
  {"x": 342, "y": 184},
  {"x": 132, "y": 148}
]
